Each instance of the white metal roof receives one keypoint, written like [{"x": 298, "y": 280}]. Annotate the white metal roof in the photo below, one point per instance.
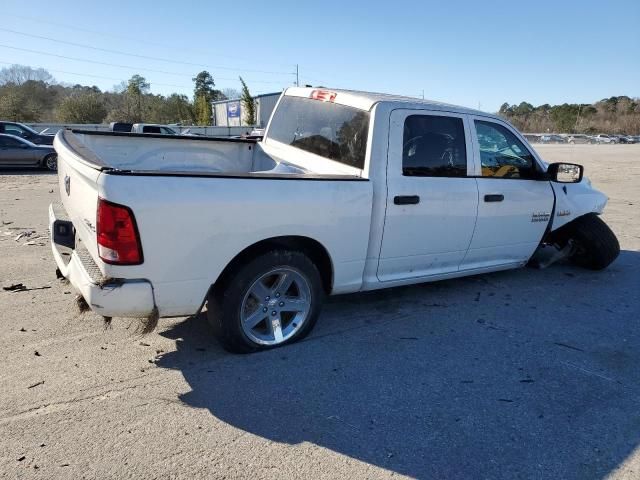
[{"x": 366, "y": 100}]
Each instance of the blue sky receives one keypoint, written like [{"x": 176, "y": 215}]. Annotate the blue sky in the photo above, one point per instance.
[{"x": 471, "y": 53}]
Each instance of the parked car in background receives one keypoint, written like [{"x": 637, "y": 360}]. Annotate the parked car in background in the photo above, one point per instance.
[
  {"x": 552, "y": 139},
  {"x": 578, "y": 138},
  {"x": 627, "y": 139},
  {"x": 17, "y": 152},
  {"x": 153, "y": 128},
  {"x": 124, "y": 127},
  {"x": 28, "y": 133},
  {"x": 602, "y": 138},
  {"x": 158, "y": 129}
]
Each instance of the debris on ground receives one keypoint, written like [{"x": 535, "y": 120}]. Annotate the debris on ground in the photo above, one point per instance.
[
  {"x": 149, "y": 324},
  {"x": 34, "y": 243},
  {"x": 144, "y": 344},
  {"x": 20, "y": 287},
  {"x": 81, "y": 304},
  {"x": 41, "y": 382},
  {"x": 23, "y": 234},
  {"x": 37, "y": 353}
]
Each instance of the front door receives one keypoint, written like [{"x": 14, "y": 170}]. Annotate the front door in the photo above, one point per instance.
[
  {"x": 515, "y": 201},
  {"x": 431, "y": 199}
]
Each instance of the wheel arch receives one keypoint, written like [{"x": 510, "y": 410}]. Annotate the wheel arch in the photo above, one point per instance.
[
  {"x": 562, "y": 234},
  {"x": 309, "y": 246}
]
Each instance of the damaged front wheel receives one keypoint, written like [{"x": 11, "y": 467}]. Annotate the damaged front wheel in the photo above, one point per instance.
[{"x": 595, "y": 245}]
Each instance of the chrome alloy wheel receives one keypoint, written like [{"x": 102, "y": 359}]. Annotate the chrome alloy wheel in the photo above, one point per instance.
[{"x": 276, "y": 306}]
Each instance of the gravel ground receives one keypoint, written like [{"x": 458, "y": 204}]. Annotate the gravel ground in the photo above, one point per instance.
[{"x": 521, "y": 374}]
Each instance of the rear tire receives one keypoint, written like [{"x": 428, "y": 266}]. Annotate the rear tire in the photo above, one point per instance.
[
  {"x": 596, "y": 246},
  {"x": 50, "y": 162},
  {"x": 254, "y": 293}
]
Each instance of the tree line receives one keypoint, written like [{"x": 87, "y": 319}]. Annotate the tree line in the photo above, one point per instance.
[
  {"x": 614, "y": 115},
  {"x": 32, "y": 95}
]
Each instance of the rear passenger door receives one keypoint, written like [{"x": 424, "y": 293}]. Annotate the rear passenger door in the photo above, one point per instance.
[
  {"x": 431, "y": 199},
  {"x": 515, "y": 199}
]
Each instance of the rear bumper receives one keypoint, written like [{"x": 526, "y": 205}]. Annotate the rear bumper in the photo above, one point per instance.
[{"x": 106, "y": 297}]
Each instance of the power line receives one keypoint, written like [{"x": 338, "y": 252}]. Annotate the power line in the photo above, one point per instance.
[
  {"x": 39, "y": 52},
  {"x": 99, "y": 77},
  {"x": 125, "y": 37},
  {"x": 103, "y": 78},
  {"x": 147, "y": 57}
]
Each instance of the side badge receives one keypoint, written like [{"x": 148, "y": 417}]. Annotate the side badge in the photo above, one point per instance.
[{"x": 67, "y": 184}]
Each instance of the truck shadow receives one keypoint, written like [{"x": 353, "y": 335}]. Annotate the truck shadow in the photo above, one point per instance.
[{"x": 510, "y": 375}]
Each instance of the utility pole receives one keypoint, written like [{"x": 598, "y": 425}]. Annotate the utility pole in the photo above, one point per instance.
[
  {"x": 297, "y": 77},
  {"x": 423, "y": 93}
]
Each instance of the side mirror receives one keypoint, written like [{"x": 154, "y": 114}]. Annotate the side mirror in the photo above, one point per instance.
[{"x": 565, "y": 172}]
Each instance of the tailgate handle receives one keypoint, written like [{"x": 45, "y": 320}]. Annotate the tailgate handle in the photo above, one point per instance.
[
  {"x": 494, "y": 198},
  {"x": 406, "y": 199}
]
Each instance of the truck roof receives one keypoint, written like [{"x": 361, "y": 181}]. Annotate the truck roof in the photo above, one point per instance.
[{"x": 366, "y": 100}]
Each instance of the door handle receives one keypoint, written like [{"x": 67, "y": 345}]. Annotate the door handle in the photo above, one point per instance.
[
  {"x": 494, "y": 198},
  {"x": 406, "y": 199}
]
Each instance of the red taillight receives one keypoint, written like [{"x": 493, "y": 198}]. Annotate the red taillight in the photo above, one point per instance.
[{"x": 118, "y": 239}]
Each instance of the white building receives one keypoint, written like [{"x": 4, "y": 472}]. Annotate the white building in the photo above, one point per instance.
[{"x": 229, "y": 113}]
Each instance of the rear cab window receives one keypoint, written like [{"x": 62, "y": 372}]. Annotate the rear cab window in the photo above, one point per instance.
[{"x": 330, "y": 130}]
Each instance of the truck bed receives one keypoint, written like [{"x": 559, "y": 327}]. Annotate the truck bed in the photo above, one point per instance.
[
  {"x": 197, "y": 202},
  {"x": 164, "y": 153},
  {"x": 122, "y": 153}
]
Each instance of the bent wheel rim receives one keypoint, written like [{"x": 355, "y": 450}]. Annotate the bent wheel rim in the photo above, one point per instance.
[{"x": 276, "y": 306}]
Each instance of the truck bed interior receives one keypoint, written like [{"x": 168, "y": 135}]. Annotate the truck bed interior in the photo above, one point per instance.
[{"x": 165, "y": 153}]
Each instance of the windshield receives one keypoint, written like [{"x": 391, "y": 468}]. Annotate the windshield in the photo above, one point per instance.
[{"x": 333, "y": 131}]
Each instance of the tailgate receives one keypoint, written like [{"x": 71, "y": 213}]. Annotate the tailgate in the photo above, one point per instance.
[{"x": 78, "y": 182}]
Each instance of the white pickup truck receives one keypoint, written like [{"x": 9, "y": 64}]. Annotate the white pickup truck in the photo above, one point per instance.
[{"x": 348, "y": 191}]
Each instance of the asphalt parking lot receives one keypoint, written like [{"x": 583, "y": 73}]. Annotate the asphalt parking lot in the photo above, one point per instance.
[{"x": 521, "y": 374}]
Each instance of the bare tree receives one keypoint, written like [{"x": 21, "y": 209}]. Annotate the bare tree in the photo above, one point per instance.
[
  {"x": 20, "y": 74},
  {"x": 231, "y": 93}
]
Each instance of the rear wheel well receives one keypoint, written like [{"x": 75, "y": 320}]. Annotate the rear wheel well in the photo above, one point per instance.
[{"x": 310, "y": 247}]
